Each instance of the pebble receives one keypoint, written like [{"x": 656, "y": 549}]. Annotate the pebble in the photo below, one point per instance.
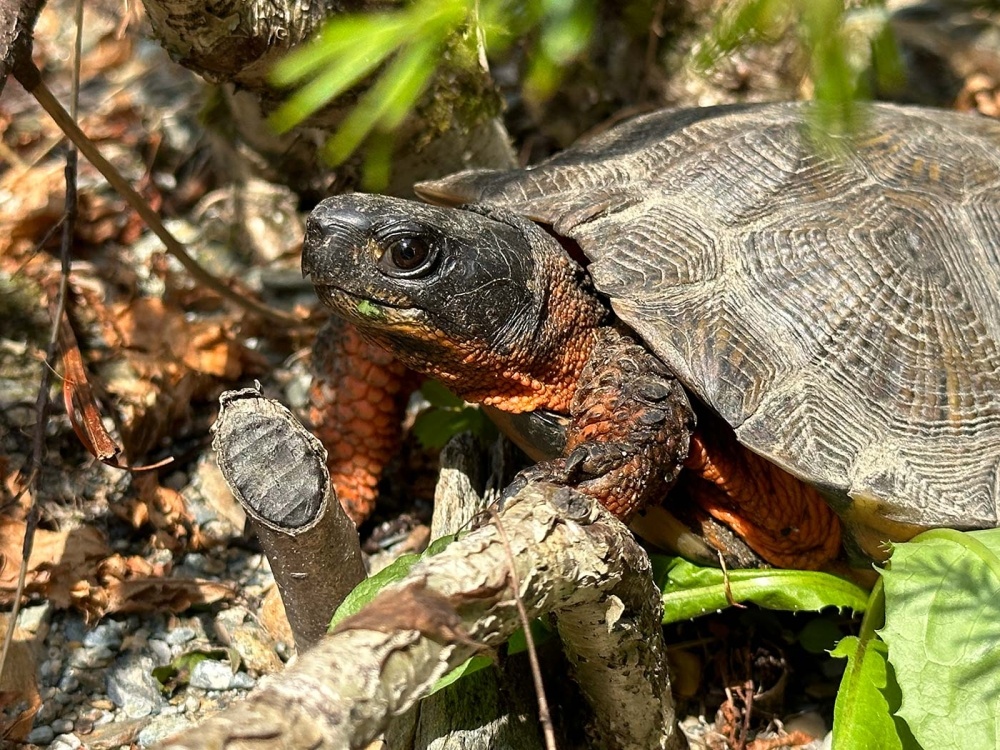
[
  {"x": 62, "y": 726},
  {"x": 161, "y": 728},
  {"x": 181, "y": 635},
  {"x": 66, "y": 742},
  {"x": 69, "y": 683},
  {"x": 161, "y": 650},
  {"x": 33, "y": 618},
  {"x": 107, "y": 634},
  {"x": 242, "y": 681},
  {"x": 132, "y": 687},
  {"x": 42, "y": 735},
  {"x": 211, "y": 675},
  {"x": 91, "y": 658}
]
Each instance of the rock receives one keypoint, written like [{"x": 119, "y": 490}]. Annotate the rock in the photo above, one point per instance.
[
  {"x": 132, "y": 687},
  {"x": 33, "y": 619},
  {"x": 107, "y": 634},
  {"x": 42, "y": 735},
  {"x": 161, "y": 728},
  {"x": 211, "y": 675},
  {"x": 179, "y": 636},
  {"x": 242, "y": 681},
  {"x": 66, "y": 742}
]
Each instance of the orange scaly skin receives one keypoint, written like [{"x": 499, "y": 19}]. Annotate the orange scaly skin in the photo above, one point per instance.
[
  {"x": 781, "y": 518},
  {"x": 357, "y": 401}
]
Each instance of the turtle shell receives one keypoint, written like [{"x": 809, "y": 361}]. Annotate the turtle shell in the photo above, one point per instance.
[{"x": 839, "y": 306}]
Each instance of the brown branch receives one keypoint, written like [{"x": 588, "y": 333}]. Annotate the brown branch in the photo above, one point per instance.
[
  {"x": 30, "y": 78},
  {"x": 571, "y": 558},
  {"x": 277, "y": 471}
]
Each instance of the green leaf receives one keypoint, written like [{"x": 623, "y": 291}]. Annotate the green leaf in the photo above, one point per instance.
[
  {"x": 449, "y": 416},
  {"x": 331, "y": 82},
  {"x": 942, "y": 601},
  {"x": 690, "y": 591},
  {"x": 388, "y": 101},
  {"x": 365, "y": 591},
  {"x": 866, "y": 700},
  {"x": 439, "y": 395}
]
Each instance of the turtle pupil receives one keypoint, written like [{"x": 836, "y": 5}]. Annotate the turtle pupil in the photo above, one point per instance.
[{"x": 408, "y": 253}]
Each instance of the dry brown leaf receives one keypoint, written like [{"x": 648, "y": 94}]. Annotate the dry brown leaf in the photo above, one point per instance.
[
  {"x": 273, "y": 618},
  {"x": 19, "y": 698},
  {"x": 59, "y": 560},
  {"x": 162, "y": 508},
  {"x": 110, "y": 52},
  {"x": 164, "y": 594},
  {"x": 126, "y": 585}
]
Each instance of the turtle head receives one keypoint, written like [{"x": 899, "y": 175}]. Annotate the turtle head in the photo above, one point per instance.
[{"x": 463, "y": 294}]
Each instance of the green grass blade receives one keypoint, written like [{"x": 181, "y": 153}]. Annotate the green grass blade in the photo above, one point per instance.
[{"x": 387, "y": 102}]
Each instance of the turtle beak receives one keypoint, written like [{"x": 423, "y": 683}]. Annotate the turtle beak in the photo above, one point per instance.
[{"x": 330, "y": 231}]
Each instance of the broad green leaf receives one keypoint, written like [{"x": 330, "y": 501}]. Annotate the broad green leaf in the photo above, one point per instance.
[
  {"x": 439, "y": 395},
  {"x": 515, "y": 645},
  {"x": 365, "y": 591},
  {"x": 449, "y": 416},
  {"x": 942, "y": 603},
  {"x": 690, "y": 591},
  {"x": 868, "y": 695}
]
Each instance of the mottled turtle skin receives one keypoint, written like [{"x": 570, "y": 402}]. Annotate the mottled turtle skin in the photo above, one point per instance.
[{"x": 839, "y": 308}]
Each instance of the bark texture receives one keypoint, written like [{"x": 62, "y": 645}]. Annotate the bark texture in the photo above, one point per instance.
[
  {"x": 17, "y": 23},
  {"x": 235, "y": 43},
  {"x": 569, "y": 556},
  {"x": 277, "y": 471}
]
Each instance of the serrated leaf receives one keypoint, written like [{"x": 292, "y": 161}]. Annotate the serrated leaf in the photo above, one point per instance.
[
  {"x": 942, "y": 602},
  {"x": 863, "y": 714},
  {"x": 690, "y": 591}
]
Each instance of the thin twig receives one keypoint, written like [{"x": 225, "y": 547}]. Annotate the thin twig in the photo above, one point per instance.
[
  {"x": 544, "y": 716},
  {"x": 68, "y": 125},
  {"x": 42, "y": 402}
]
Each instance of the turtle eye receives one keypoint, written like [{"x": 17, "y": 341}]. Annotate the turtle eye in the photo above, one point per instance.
[{"x": 408, "y": 257}]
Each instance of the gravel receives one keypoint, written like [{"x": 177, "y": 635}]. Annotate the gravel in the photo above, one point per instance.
[{"x": 98, "y": 685}]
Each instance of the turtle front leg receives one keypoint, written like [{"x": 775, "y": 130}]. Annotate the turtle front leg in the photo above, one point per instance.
[
  {"x": 630, "y": 428},
  {"x": 357, "y": 401}
]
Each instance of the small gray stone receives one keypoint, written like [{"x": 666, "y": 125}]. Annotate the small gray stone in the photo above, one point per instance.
[
  {"x": 50, "y": 670},
  {"x": 69, "y": 683},
  {"x": 180, "y": 635},
  {"x": 74, "y": 628},
  {"x": 192, "y": 704},
  {"x": 91, "y": 658},
  {"x": 108, "y": 634},
  {"x": 66, "y": 742},
  {"x": 33, "y": 618},
  {"x": 161, "y": 650},
  {"x": 161, "y": 728},
  {"x": 131, "y": 685},
  {"x": 233, "y": 617},
  {"x": 41, "y": 735},
  {"x": 211, "y": 675},
  {"x": 243, "y": 681},
  {"x": 62, "y": 726}
]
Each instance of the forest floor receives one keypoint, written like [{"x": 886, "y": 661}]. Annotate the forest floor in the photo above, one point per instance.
[{"x": 148, "y": 605}]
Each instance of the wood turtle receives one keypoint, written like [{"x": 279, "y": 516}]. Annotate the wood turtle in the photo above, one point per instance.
[{"x": 833, "y": 308}]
